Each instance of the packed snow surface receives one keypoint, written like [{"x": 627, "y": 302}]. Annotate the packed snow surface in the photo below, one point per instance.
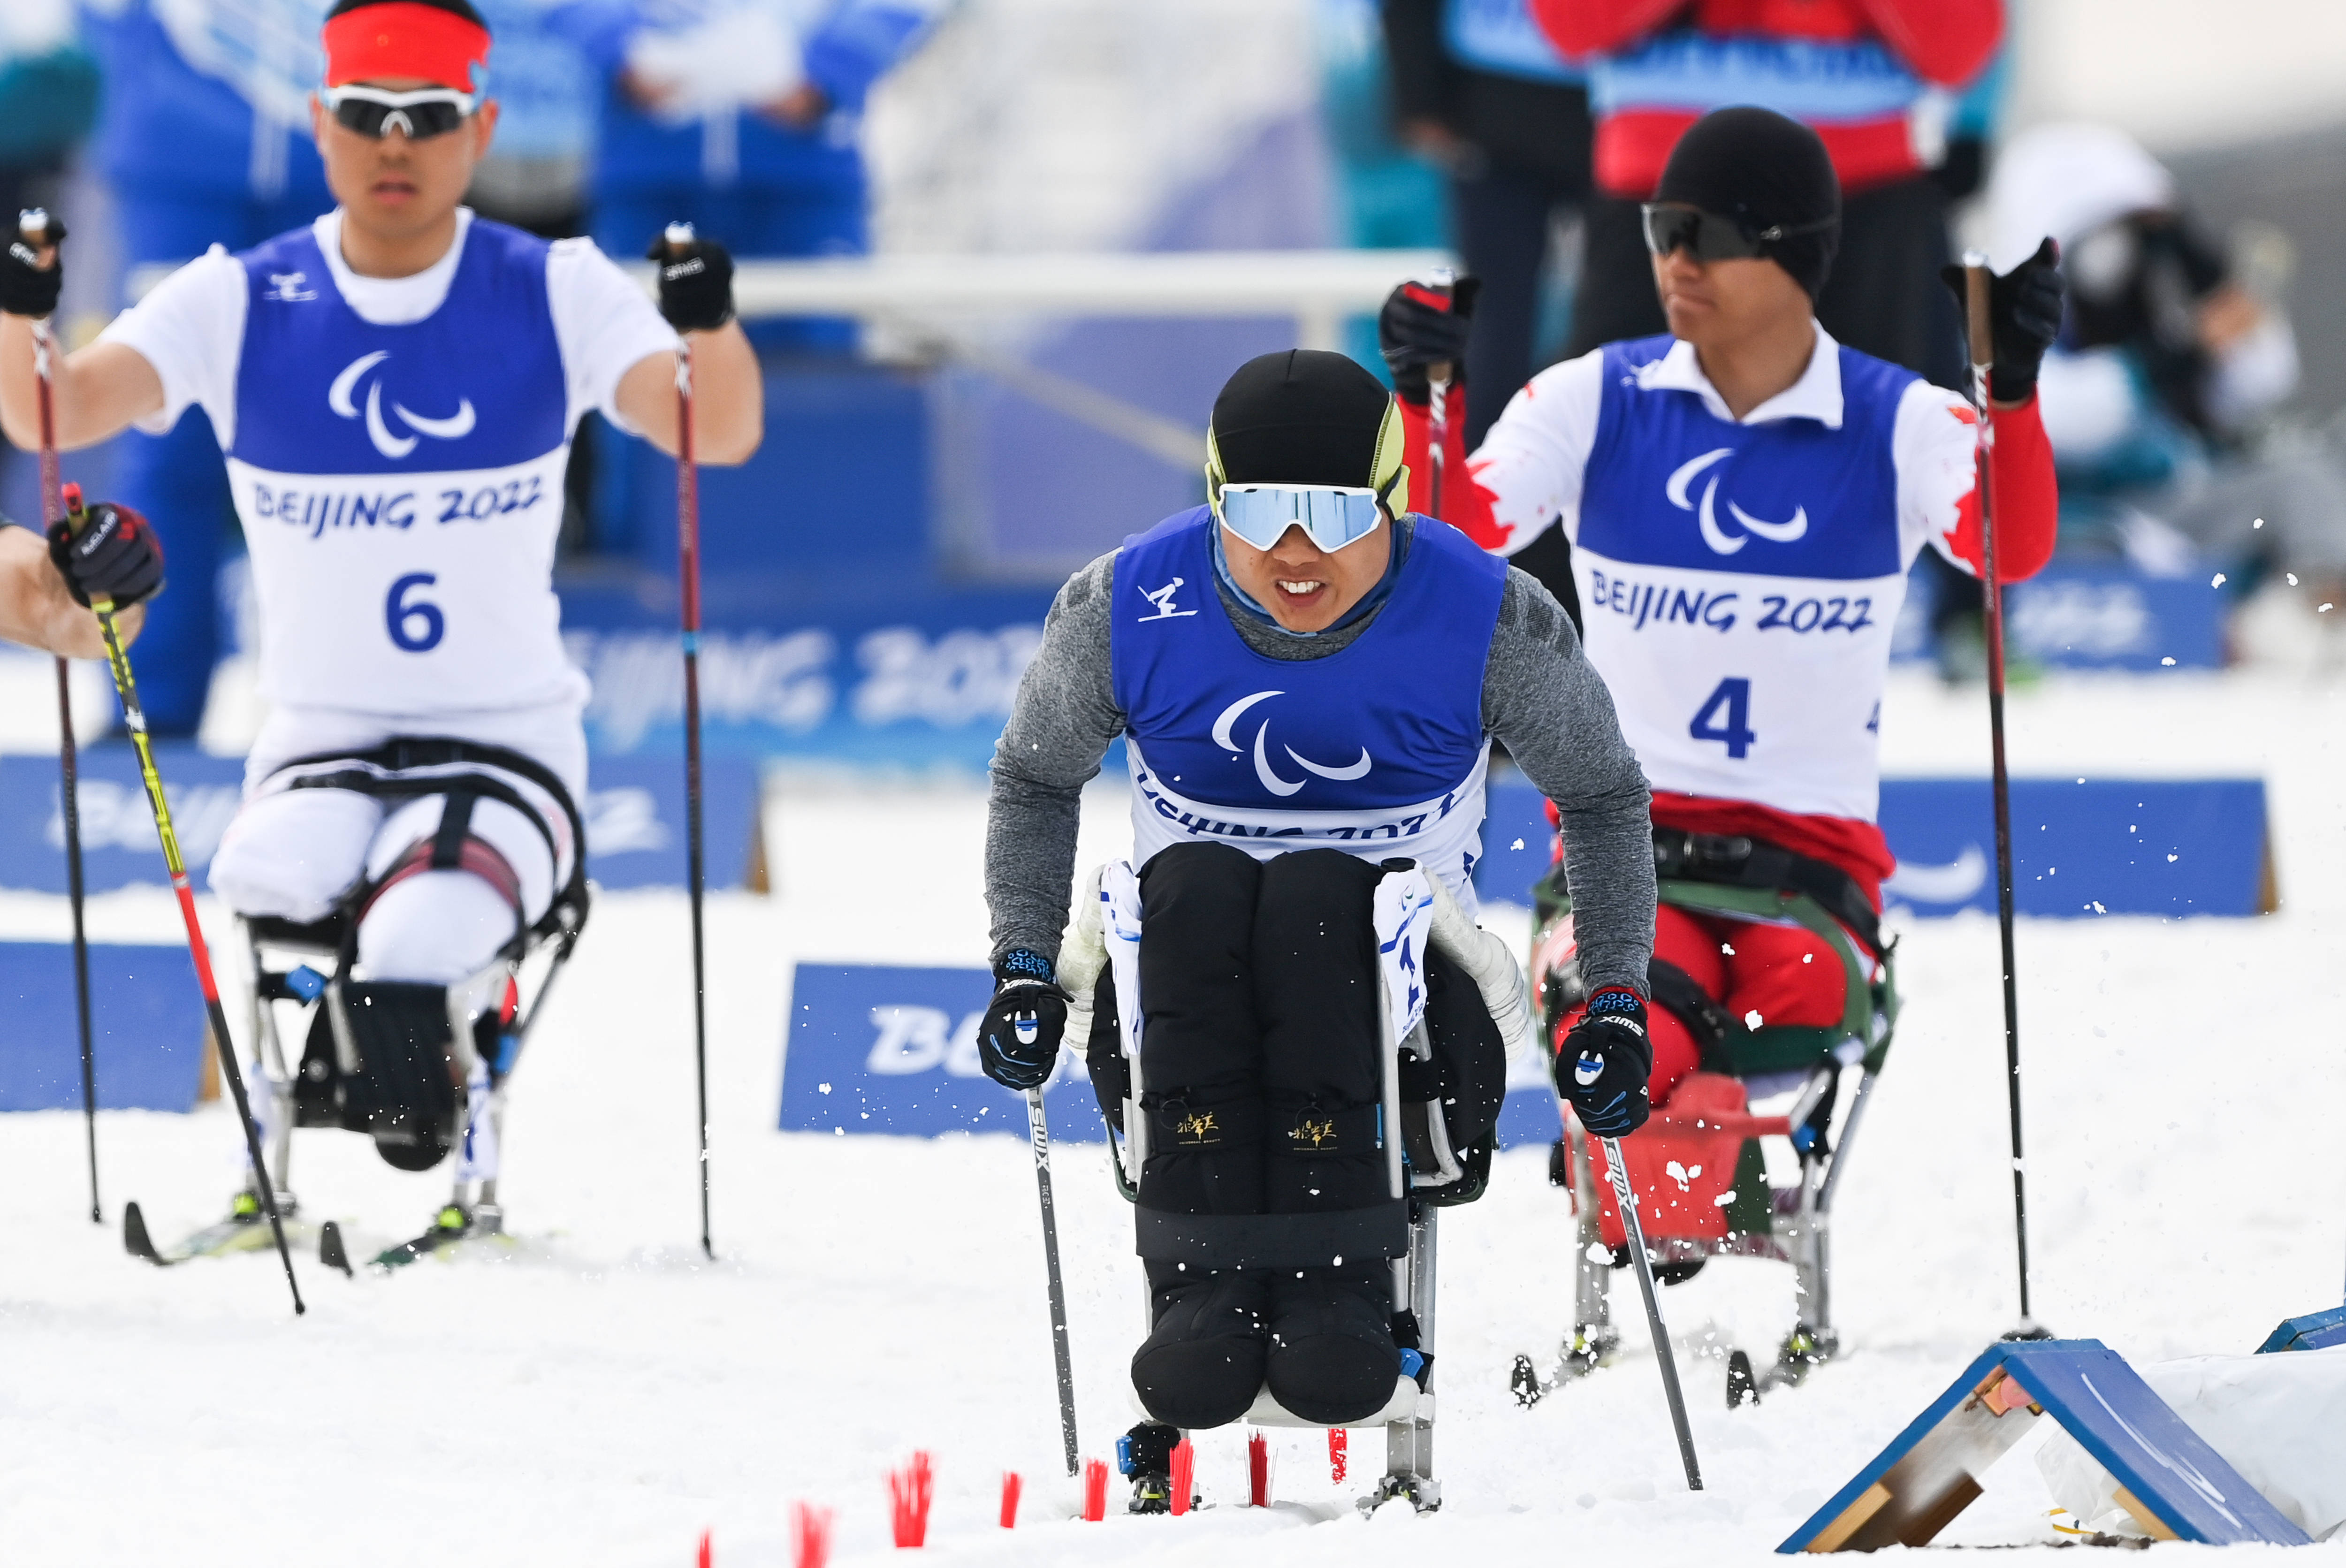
[{"x": 602, "y": 1394}]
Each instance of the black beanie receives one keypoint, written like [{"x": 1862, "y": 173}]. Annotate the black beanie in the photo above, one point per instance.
[
  {"x": 1766, "y": 171},
  {"x": 1302, "y": 416}
]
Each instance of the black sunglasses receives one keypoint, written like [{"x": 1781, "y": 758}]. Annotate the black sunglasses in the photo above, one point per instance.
[
  {"x": 1710, "y": 238},
  {"x": 435, "y": 111}
]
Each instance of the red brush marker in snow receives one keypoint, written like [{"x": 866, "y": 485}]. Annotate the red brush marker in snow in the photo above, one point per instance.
[
  {"x": 1339, "y": 1442},
  {"x": 1010, "y": 1485},
  {"x": 1185, "y": 1469},
  {"x": 1094, "y": 1489},
  {"x": 1258, "y": 1471},
  {"x": 812, "y": 1528},
  {"x": 910, "y": 1491}
]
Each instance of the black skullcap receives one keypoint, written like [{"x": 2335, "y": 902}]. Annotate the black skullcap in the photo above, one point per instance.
[
  {"x": 1766, "y": 171},
  {"x": 453, "y": 7},
  {"x": 1302, "y": 416}
]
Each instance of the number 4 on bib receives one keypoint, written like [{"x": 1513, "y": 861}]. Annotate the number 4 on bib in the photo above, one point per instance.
[{"x": 1726, "y": 716}]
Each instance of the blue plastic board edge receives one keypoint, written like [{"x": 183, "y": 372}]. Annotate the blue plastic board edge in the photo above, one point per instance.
[
  {"x": 2127, "y": 1430},
  {"x": 2314, "y": 1331}
]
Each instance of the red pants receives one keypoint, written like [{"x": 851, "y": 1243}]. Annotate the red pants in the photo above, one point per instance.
[{"x": 1785, "y": 973}]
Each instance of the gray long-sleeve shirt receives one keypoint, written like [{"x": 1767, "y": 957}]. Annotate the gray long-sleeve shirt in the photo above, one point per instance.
[{"x": 1541, "y": 697}]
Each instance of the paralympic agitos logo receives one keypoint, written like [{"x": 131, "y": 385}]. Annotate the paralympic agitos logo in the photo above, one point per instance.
[
  {"x": 1706, "y": 512},
  {"x": 1263, "y": 770},
  {"x": 453, "y": 427}
]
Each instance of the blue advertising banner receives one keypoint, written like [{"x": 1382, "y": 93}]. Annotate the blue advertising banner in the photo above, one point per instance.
[
  {"x": 146, "y": 1027},
  {"x": 2081, "y": 847},
  {"x": 913, "y": 678},
  {"x": 634, "y": 811},
  {"x": 878, "y": 1049},
  {"x": 875, "y": 1048}
]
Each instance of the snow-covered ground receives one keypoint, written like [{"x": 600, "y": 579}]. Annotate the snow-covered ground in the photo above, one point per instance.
[{"x": 603, "y": 1395}]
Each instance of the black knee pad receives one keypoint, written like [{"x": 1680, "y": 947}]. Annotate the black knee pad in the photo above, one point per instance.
[
  {"x": 405, "y": 1091},
  {"x": 1202, "y": 1364},
  {"x": 1331, "y": 1356},
  {"x": 1205, "y": 1152},
  {"x": 1318, "y": 1156}
]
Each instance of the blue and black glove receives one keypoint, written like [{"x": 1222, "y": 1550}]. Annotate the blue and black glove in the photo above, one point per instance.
[
  {"x": 1018, "y": 1043},
  {"x": 2024, "y": 313},
  {"x": 108, "y": 552},
  {"x": 1603, "y": 1065}
]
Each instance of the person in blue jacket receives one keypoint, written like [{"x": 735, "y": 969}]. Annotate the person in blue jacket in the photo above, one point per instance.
[
  {"x": 742, "y": 117},
  {"x": 203, "y": 136}
]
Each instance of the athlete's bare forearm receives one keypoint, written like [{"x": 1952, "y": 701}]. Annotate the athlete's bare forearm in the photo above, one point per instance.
[
  {"x": 97, "y": 391},
  {"x": 728, "y": 398}
]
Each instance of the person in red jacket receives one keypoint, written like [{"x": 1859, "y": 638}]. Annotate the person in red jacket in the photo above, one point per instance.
[
  {"x": 1875, "y": 78},
  {"x": 1744, "y": 496}
]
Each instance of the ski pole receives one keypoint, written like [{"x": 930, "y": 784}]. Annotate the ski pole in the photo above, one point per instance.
[
  {"x": 688, "y": 545},
  {"x": 33, "y": 225},
  {"x": 135, "y": 719},
  {"x": 1977, "y": 279},
  {"x": 1441, "y": 281},
  {"x": 1040, "y": 1132},
  {"x": 1627, "y": 1199}
]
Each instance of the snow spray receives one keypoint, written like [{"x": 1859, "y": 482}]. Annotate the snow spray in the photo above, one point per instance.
[
  {"x": 1258, "y": 1471},
  {"x": 811, "y": 1526},
  {"x": 1185, "y": 1469},
  {"x": 910, "y": 1491},
  {"x": 1010, "y": 1484},
  {"x": 1094, "y": 1489},
  {"x": 1338, "y": 1441}
]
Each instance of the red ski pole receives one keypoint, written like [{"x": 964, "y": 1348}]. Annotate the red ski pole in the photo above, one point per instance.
[
  {"x": 1976, "y": 280},
  {"x": 32, "y": 225},
  {"x": 688, "y": 545},
  {"x": 135, "y": 719},
  {"x": 1437, "y": 405}
]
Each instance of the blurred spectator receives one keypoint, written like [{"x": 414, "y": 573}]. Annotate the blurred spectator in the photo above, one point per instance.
[
  {"x": 1388, "y": 197},
  {"x": 1478, "y": 88},
  {"x": 535, "y": 176},
  {"x": 740, "y": 116},
  {"x": 2170, "y": 359},
  {"x": 48, "y": 101},
  {"x": 1876, "y": 78},
  {"x": 204, "y": 136}
]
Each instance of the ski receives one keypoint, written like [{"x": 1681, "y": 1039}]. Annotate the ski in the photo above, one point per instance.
[
  {"x": 1803, "y": 1351},
  {"x": 454, "y": 1225},
  {"x": 246, "y": 1229},
  {"x": 1587, "y": 1349}
]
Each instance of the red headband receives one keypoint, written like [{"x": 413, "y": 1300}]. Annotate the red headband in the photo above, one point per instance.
[{"x": 403, "y": 38}]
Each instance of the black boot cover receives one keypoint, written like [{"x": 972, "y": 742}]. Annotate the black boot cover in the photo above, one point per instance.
[
  {"x": 1202, "y": 1363},
  {"x": 1332, "y": 1355},
  {"x": 406, "y": 1091}
]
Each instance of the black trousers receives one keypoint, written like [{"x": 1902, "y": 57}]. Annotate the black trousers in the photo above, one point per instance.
[
  {"x": 1262, "y": 1050},
  {"x": 1505, "y": 221}
]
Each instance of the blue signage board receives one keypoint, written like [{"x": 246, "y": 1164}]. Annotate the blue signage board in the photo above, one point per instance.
[
  {"x": 634, "y": 811},
  {"x": 2084, "y": 615},
  {"x": 2081, "y": 847},
  {"x": 916, "y": 678},
  {"x": 880, "y": 1049},
  {"x": 146, "y": 1027}
]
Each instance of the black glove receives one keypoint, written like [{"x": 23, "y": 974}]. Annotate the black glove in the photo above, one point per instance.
[
  {"x": 696, "y": 281},
  {"x": 1415, "y": 329},
  {"x": 113, "y": 554},
  {"x": 1604, "y": 1063},
  {"x": 26, "y": 289},
  {"x": 2024, "y": 313},
  {"x": 1018, "y": 1043}
]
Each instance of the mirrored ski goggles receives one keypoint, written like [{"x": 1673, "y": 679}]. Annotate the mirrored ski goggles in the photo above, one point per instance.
[
  {"x": 1711, "y": 237},
  {"x": 1332, "y": 515},
  {"x": 371, "y": 112}
]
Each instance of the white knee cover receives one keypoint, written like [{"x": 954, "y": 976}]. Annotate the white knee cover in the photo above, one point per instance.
[
  {"x": 433, "y": 927},
  {"x": 292, "y": 853}
]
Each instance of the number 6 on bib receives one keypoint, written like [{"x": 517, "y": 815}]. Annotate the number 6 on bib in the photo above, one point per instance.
[
  {"x": 1726, "y": 716},
  {"x": 401, "y": 614}
]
